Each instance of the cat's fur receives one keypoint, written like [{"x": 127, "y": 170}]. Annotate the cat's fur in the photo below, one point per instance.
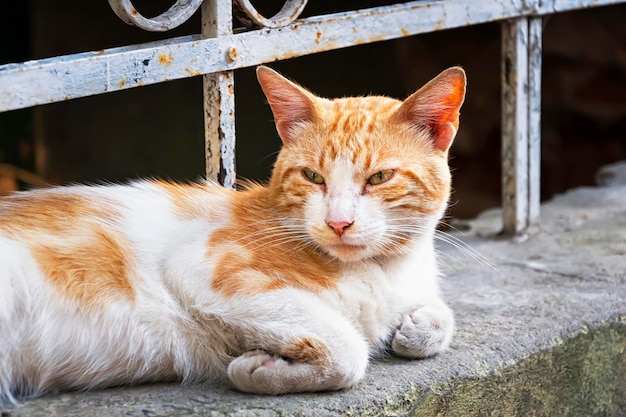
[{"x": 284, "y": 288}]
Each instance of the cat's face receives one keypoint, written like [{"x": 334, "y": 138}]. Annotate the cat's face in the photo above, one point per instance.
[{"x": 363, "y": 177}]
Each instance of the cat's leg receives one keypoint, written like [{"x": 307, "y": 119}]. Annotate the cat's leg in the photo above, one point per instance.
[
  {"x": 313, "y": 349},
  {"x": 424, "y": 332},
  {"x": 307, "y": 365}
]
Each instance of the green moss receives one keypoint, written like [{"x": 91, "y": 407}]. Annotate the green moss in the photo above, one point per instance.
[{"x": 585, "y": 376}]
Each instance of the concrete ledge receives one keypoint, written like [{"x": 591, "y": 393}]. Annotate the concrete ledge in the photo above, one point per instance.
[
  {"x": 586, "y": 376},
  {"x": 541, "y": 331}
]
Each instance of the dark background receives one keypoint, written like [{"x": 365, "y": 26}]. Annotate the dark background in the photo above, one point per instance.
[{"x": 157, "y": 130}]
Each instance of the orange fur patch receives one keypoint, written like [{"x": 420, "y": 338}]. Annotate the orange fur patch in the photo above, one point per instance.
[
  {"x": 42, "y": 211},
  {"x": 307, "y": 349},
  {"x": 90, "y": 273},
  {"x": 262, "y": 258},
  {"x": 67, "y": 238},
  {"x": 194, "y": 200}
]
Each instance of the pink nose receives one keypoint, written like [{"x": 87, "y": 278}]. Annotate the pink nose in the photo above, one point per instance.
[{"x": 339, "y": 226}]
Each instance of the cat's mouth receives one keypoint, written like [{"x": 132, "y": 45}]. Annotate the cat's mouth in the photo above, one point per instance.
[
  {"x": 347, "y": 246},
  {"x": 345, "y": 250}
]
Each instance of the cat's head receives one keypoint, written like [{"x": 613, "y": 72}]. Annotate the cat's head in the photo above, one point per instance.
[{"x": 363, "y": 177}]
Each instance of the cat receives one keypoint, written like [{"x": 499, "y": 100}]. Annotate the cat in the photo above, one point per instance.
[{"x": 282, "y": 288}]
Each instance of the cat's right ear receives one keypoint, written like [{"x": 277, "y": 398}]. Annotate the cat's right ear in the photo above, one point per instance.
[{"x": 290, "y": 103}]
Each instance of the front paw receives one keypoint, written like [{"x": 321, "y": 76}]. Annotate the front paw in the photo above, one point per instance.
[
  {"x": 259, "y": 372},
  {"x": 425, "y": 332},
  {"x": 255, "y": 372}
]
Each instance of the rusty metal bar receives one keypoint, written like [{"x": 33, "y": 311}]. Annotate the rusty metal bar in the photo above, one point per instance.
[
  {"x": 219, "y": 99},
  {"x": 79, "y": 75},
  {"x": 535, "y": 29},
  {"x": 515, "y": 125},
  {"x": 521, "y": 123}
]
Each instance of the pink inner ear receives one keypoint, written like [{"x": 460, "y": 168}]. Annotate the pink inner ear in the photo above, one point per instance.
[
  {"x": 290, "y": 109},
  {"x": 443, "y": 134},
  {"x": 290, "y": 103},
  {"x": 436, "y": 107}
]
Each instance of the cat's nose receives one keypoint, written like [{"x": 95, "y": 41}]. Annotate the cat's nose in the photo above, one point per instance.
[{"x": 339, "y": 226}]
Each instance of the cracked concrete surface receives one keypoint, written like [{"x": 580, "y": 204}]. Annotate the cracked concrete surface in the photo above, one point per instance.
[{"x": 541, "y": 330}]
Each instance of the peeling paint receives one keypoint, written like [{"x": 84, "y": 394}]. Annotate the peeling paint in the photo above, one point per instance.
[
  {"x": 166, "y": 59},
  {"x": 318, "y": 36},
  {"x": 192, "y": 73}
]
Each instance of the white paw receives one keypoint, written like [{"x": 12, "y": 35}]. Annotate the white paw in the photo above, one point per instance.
[
  {"x": 257, "y": 372},
  {"x": 425, "y": 332}
]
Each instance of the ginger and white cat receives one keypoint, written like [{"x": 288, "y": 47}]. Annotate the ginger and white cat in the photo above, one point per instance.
[{"x": 283, "y": 288}]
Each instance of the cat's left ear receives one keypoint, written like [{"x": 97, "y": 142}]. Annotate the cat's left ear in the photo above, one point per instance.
[
  {"x": 290, "y": 103},
  {"x": 435, "y": 107}
]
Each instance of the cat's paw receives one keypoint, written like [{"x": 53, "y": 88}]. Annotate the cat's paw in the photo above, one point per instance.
[
  {"x": 259, "y": 372},
  {"x": 425, "y": 332},
  {"x": 256, "y": 372}
]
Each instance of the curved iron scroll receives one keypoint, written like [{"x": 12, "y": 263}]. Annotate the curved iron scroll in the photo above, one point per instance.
[
  {"x": 175, "y": 16},
  {"x": 182, "y": 10},
  {"x": 287, "y": 14}
]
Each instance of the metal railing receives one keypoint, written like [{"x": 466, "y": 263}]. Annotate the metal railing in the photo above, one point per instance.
[{"x": 218, "y": 51}]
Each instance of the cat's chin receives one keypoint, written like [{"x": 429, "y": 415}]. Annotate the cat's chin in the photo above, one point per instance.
[{"x": 348, "y": 252}]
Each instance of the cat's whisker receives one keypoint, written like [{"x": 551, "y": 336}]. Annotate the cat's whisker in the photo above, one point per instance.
[
  {"x": 289, "y": 241},
  {"x": 445, "y": 237},
  {"x": 442, "y": 262},
  {"x": 302, "y": 246},
  {"x": 451, "y": 226},
  {"x": 443, "y": 255},
  {"x": 465, "y": 249},
  {"x": 286, "y": 239},
  {"x": 269, "y": 232}
]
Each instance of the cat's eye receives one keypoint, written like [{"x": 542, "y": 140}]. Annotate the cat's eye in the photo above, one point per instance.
[
  {"x": 313, "y": 176},
  {"x": 381, "y": 177}
]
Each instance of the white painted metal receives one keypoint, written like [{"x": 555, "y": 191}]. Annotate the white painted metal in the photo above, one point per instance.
[
  {"x": 535, "y": 28},
  {"x": 521, "y": 123},
  {"x": 175, "y": 16},
  {"x": 287, "y": 14},
  {"x": 219, "y": 98},
  {"x": 67, "y": 77},
  {"x": 515, "y": 125}
]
